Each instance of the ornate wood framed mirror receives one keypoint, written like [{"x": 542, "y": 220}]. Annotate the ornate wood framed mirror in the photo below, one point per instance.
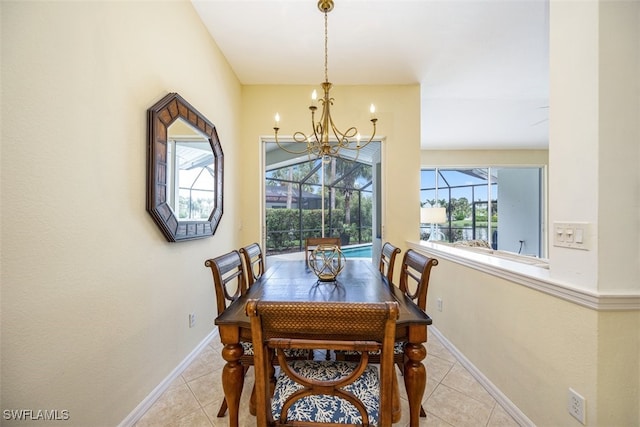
[{"x": 185, "y": 170}]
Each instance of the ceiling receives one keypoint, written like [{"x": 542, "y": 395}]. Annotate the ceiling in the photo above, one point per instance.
[{"x": 482, "y": 65}]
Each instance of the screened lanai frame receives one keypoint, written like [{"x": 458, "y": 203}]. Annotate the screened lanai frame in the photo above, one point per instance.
[
  {"x": 515, "y": 218},
  {"x": 480, "y": 185},
  {"x": 298, "y": 187}
]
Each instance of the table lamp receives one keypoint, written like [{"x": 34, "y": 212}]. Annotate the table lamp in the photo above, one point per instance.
[{"x": 433, "y": 216}]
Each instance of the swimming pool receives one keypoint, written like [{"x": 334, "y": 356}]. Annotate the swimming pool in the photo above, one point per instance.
[{"x": 357, "y": 251}]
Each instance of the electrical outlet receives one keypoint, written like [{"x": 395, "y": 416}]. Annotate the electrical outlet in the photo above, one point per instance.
[
  {"x": 439, "y": 303},
  {"x": 192, "y": 320},
  {"x": 577, "y": 406}
]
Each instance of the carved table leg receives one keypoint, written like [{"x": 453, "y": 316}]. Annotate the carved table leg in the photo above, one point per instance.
[
  {"x": 232, "y": 380},
  {"x": 415, "y": 380}
]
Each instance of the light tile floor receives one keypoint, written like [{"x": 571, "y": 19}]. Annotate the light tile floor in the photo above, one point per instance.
[{"x": 452, "y": 397}]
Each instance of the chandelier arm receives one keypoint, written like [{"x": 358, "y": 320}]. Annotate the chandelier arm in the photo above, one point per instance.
[
  {"x": 318, "y": 143},
  {"x": 317, "y": 127},
  {"x": 313, "y": 109},
  {"x": 362, "y": 145},
  {"x": 297, "y": 140},
  {"x": 343, "y": 138}
]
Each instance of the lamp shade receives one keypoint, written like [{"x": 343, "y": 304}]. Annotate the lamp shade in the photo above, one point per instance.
[{"x": 433, "y": 215}]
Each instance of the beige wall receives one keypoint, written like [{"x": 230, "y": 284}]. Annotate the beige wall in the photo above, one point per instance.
[
  {"x": 398, "y": 112},
  {"x": 521, "y": 339},
  {"x": 95, "y": 302},
  {"x": 462, "y": 158},
  {"x": 533, "y": 346}
]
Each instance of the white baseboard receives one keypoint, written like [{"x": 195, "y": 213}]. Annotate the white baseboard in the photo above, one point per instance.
[
  {"x": 148, "y": 401},
  {"x": 500, "y": 397}
]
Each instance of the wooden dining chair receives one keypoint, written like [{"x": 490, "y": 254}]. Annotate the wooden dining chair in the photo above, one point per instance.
[
  {"x": 414, "y": 276},
  {"x": 414, "y": 282},
  {"x": 229, "y": 283},
  {"x": 312, "y": 242},
  {"x": 230, "y": 280},
  {"x": 253, "y": 262},
  {"x": 388, "y": 260},
  {"x": 316, "y": 392}
]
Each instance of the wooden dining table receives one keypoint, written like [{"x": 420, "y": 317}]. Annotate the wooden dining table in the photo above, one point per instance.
[{"x": 359, "y": 281}]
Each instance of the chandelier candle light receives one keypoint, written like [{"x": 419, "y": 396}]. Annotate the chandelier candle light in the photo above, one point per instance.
[{"x": 319, "y": 143}]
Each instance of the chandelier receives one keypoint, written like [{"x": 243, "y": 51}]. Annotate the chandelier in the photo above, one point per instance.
[{"x": 325, "y": 140}]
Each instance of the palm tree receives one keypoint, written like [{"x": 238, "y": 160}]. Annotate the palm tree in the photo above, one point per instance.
[
  {"x": 299, "y": 173},
  {"x": 344, "y": 175}
]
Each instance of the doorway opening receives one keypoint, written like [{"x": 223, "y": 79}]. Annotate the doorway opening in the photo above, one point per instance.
[{"x": 306, "y": 197}]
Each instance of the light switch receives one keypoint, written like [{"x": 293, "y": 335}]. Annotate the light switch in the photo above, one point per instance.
[
  {"x": 569, "y": 235},
  {"x": 574, "y": 235}
]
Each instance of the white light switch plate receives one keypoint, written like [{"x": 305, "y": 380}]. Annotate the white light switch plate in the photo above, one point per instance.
[{"x": 574, "y": 235}]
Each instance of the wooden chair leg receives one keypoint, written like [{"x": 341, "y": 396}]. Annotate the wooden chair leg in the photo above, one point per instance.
[
  {"x": 397, "y": 411},
  {"x": 252, "y": 401},
  {"x": 223, "y": 408}
]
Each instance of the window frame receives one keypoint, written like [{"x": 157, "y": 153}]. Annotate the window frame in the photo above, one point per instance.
[{"x": 427, "y": 193}]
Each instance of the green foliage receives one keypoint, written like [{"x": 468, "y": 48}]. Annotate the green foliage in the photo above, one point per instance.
[
  {"x": 199, "y": 208},
  {"x": 284, "y": 232},
  {"x": 350, "y": 214}
]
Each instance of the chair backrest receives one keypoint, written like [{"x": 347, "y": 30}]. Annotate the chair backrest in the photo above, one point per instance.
[
  {"x": 253, "y": 262},
  {"x": 228, "y": 278},
  {"x": 388, "y": 260},
  {"x": 321, "y": 325},
  {"x": 414, "y": 276},
  {"x": 312, "y": 242}
]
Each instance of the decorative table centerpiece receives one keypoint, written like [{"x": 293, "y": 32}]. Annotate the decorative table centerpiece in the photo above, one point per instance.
[{"x": 327, "y": 261}]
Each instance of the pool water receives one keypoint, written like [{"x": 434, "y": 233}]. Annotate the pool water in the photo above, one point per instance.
[{"x": 357, "y": 252}]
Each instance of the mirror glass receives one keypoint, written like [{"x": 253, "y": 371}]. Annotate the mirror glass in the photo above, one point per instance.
[
  {"x": 185, "y": 170},
  {"x": 190, "y": 172}
]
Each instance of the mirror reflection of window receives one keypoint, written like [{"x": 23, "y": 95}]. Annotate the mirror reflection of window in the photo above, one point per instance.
[{"x": 190, "y": 172}]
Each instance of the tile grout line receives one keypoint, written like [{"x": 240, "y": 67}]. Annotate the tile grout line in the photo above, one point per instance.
[{"x": 197, "y": 400}]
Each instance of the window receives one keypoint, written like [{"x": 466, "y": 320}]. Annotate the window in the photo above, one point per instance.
[
  {"x": 294, "y": 203},
  {"x": 500, "y": 207}
]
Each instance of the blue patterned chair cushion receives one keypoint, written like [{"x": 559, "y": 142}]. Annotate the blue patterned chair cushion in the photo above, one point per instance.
[
  {"x": 247, "y": 347},
  {"x": 324, "y": 408},
  {"x": 398, "y": 348}
]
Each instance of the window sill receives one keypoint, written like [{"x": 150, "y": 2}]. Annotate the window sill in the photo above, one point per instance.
[
  {"x": 509, "y": 256},
  {"x": 527, "y": 271}
]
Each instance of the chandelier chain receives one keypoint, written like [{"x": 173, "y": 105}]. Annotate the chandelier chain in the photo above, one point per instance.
[
  {"x": 326, "y": 47},
  {"x": 319, "y": 143}
]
